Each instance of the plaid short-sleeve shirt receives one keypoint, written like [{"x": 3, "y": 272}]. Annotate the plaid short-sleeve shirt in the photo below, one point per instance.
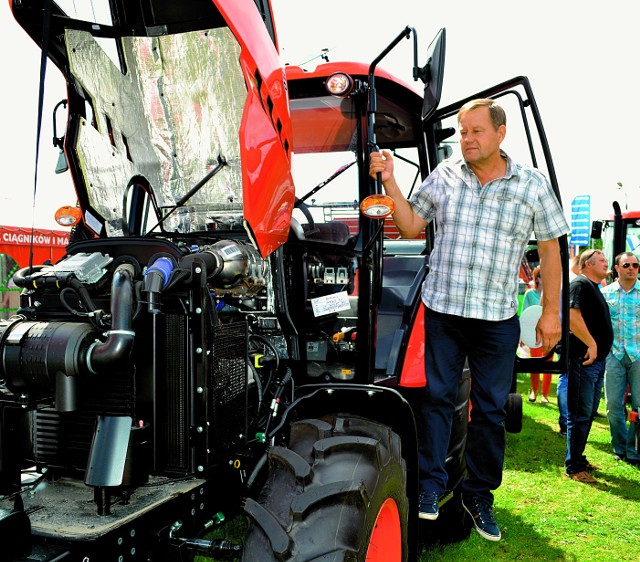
[
  {"x": 481, "y": 234},
  {"x": 624, "y": 308}
]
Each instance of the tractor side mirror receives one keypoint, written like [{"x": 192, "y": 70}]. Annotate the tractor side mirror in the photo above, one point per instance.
[{"x": 61, "y": 165}]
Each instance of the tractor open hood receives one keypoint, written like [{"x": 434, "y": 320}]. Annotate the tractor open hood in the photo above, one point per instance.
[{"x": 159, "y": 95}]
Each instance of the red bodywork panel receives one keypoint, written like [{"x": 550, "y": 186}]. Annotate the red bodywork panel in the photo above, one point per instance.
[
  {"x": 265, "y": 133},
  {"x": 628, "y": 215},
  {"x": 329, "y": 127},
  {"x": 413, "y": 370}
]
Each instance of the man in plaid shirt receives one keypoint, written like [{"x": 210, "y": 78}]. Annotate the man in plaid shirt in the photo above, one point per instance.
[
  {"x": 623, "y": 362},
  {"x": 486, "y": 208}
]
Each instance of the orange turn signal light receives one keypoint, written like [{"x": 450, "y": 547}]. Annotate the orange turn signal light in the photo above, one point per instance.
[
  {"x": 68, "y": 216},
  {"x": 377, "y": 206}
]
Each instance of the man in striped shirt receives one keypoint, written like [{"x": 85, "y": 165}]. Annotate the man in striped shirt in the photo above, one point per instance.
[{"x": 486, "y": 208}]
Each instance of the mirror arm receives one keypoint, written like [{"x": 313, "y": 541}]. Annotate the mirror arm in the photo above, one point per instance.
[
  {"x": 405, "y": 34},
  {"x": 373, "y": 104},
  {"x": 420, "y": 73}
]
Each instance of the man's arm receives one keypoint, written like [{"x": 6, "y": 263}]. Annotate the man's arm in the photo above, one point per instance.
[
  {"x": 409, "y": 223},
  {"x": 580, "y": 330},
  {"x": 549, "y": 329}
]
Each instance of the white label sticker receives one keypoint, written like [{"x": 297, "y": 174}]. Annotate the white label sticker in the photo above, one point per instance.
[
  {"x": 330, "y": 303},
  {"x": 93, "y": 223}
]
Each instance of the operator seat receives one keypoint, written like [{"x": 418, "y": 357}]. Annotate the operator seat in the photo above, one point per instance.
[{"x": 336, "y": 232}]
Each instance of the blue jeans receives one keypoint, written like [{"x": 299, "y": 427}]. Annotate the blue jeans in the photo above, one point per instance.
[
  {"x": 490, "y": 348},
  {"x": 583, "y": 396},
  {"x": 619, "y": 374},
  {"x": 561, "y": 394}
]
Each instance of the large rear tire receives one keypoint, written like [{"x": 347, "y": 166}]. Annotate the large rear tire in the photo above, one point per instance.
[{"x": 336, "y": 493}]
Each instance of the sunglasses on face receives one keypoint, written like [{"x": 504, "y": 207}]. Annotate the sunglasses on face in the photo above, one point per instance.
[
  {"x": 587, "y": 257},
  {"x": 628, "y": 265}
]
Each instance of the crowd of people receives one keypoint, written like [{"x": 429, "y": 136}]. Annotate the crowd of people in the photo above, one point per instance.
[
  {"x": 604, "y": 355},
  {"x": 486, "y": 206}
]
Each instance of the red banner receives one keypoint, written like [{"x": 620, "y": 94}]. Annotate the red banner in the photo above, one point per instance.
[{"x": 47, "y": 245}]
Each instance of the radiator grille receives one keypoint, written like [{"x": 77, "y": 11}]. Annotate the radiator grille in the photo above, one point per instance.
[
  {"x": 173, "y": 419},
  {"x": 228, "y": 383},
  {"x": 63, "y": 440}
]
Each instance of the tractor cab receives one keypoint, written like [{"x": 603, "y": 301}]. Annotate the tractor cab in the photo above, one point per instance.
[{"x": 340, "y": 112}]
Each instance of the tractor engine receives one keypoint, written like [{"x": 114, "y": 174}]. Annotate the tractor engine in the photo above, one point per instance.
[{"x": 128, "y": 364}]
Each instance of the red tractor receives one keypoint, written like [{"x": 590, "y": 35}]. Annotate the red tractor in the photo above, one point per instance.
[{"x": 235, "y": 328}]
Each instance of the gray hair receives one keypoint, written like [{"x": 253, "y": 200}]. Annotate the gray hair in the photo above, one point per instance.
[{"x": 497, "y": 114}]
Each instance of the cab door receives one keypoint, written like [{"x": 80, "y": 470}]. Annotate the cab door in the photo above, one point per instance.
[{"x": 526, "y": 143}]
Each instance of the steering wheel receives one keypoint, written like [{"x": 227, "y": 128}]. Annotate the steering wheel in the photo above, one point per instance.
[{"x": 304, "y": 208}]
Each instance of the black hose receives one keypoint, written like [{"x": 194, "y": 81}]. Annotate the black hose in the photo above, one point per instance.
[
  {"x": 102, "y": 356},
  {"x": 24, "y": 277},
  {"x": 276, "y": 399},
  {"x": 273, "y": 349},
  {"x": 29, "y": 278},
  {"x": 82, "y": 292},
  {"x": 257, "y": 469}
]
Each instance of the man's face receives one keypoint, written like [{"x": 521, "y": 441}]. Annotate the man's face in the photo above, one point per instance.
[
  {"x": 479, "y": 141},
  {"x": 598, "y": 265},
  {"x": 627, "y": 268}
]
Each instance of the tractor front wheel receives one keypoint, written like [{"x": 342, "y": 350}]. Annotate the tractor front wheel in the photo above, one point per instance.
[{"x": 336, "y": 492}]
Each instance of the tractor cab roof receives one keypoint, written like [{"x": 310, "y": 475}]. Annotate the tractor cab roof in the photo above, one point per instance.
[{"x": 314, "y": 112}]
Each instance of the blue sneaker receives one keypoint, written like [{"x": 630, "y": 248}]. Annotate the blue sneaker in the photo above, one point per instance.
[
  {"x": 483, "y": 519},
  {"x": 428, "y": 505}
]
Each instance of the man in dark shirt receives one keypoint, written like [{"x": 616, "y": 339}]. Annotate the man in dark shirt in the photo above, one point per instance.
[{"x": 589, "y": 344}]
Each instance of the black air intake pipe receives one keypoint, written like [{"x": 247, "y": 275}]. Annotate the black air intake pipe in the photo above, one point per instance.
[{"x": 104, "y": 355}]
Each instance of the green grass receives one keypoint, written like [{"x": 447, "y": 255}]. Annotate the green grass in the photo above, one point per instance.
[{"x": 545, "y": 516}]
